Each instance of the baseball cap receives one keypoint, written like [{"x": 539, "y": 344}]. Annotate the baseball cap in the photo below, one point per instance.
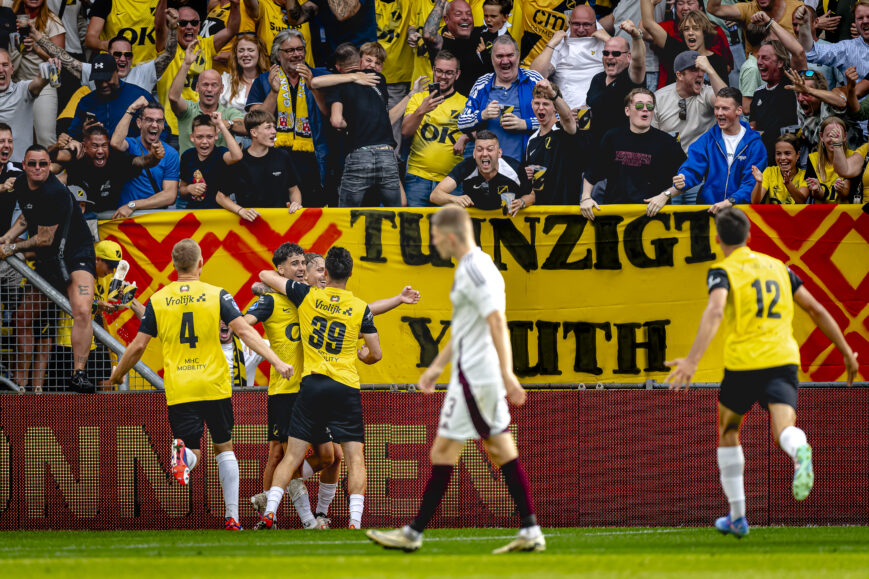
[
  {"x": 79, "y": 194},
  {"x": 682, "y": 61},
  {"x": 103, "y": 67},
  {"x": 108, "y": 250}
]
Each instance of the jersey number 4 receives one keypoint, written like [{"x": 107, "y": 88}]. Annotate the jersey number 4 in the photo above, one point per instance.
[
  {"x": 771, "y": 288},
  {"x": 325, "y": 334},
  {"x": 188, "y": 332}
]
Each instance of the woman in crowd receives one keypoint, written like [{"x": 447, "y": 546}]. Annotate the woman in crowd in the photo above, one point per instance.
[
  {"x": 826, "y": 184},
  {"x": 250, "y": 60},
  {"x": 783, "y": 183}
]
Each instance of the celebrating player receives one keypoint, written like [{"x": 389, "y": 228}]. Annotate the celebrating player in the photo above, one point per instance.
[
  {"x": 482, "y": 374},
  {"x": 756, "y": 295},
  {"x": 185, "y": 316}
]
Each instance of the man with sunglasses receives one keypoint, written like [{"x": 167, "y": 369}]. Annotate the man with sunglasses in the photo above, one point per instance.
[
  {"x": 634, "y": 160},
  {"x": 64, "y": 253}
]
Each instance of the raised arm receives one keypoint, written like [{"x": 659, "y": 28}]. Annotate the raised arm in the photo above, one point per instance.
[
  {"x": 299, "y": 13},
  {"x": 790, "y": 42},
  {"x": 161, "y": 63},
  {"x": 122, "y": 129},
  {"x": 650, "y": 25},
  {"x": 233, "y": 154},
  {"x": 798, "y": 84},
  {"x": 397, "y": 111},
  {"x": 176, "y": 100},
  {"x": 160, "y": 27},
  {"x": 344, "y": 9},
  {"x": 330, "y": 80},
  {"x": 543, "y": 62},
  {"x": 828, "y": 325},
  {"x": 637, "y": 70},
  {"x": 729, "y": 12},
  {"x": 54, "y": 51},
  {"x": 274, "y": 280},
  {"x": 430, "y": 33},
  {"x": 408, "y": 295},
  {"x": 223, "y": 37},
  {"x": 801, "y": 17}
]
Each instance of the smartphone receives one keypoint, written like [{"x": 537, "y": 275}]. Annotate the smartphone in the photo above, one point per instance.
[
  {"x": 434, "y": 88},
  {"x": 90, "y": 117}
]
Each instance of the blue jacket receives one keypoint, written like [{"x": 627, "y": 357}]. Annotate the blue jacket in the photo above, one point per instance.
[
  {"x": 707, "y": 159},
  {"x": 108, "y": 112},
  {"x": 471, "y": 118}
]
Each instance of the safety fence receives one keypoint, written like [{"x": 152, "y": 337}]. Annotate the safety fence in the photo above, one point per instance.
[{"x": 594, "y": 458}]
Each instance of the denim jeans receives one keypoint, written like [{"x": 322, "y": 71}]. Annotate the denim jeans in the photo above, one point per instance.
[
  {"x": 370, "y": 174},
  {"x": 418, "y": 191}
]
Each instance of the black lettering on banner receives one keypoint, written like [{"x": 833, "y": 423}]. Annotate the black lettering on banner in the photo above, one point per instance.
[
  {"x": 410, "y": 241},
  {"x": 523, "y": 250},
  {"x": 547, "y": 348},
  {"x": 655, "y": 345},
  {"x": 634, "y": 247},
  {"x": 428, "y": 345},
  {"x": 585, "y": 334},
  {"x": 373, "y": 231},
  {"x": 699, "y": 234},
  {"x": 560, "y": 254},
  {"x": 606, "y": 241}
]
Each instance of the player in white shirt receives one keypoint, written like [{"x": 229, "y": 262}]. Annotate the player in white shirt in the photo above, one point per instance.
[{"x": 482, "y": 375}]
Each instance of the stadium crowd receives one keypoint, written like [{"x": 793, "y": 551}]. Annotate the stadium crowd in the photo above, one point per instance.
[{"x": 136, "y": 105}]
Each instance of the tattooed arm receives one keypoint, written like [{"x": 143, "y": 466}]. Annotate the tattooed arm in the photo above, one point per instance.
[
  {"x": 298, "y": 13},
  {"x": 344, "y": 9},
  {"x": 430, "y": 30},
  {"x": 161, "y": 63},
  {"x": 54, "y": 51}
]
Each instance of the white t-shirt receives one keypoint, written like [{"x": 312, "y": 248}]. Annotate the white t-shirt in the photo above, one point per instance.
[
  {"x": 731, "y": 142},
  {"x": 240, "y": 100},
  {"x": 478, "y": 290},
  {"x": 699, "y": 114},
  {"x": 16, "y": 110},
  {"x": 70, "y": 22},
  {"x": 251, "y": 361},
  {"x": 576, "y": 61},
  {"x": 143, "y": 75}
]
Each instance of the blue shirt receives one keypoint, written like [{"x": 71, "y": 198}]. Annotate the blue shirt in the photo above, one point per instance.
[
  {"x": 512, "y": 143},
  {"x": 140, "y": 187},
  {"x": 108, "y": 112}
]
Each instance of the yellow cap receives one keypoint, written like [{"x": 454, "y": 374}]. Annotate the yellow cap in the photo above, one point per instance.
[{"x": 108, "y": 250}]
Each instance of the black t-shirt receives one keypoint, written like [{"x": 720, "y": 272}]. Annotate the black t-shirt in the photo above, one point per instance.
[
  {"x": 636, "y": 166},
  {"x": 48, "y": 205},
  {"x": 471, "y": 66},
  {"x": 264, "y": 181},
  {"x": 365, "y": 112},
  {"x": 212, "y": 169},
  {"x": 102, "y": 185},
  {"x": 565, "y": 158},
  {"x": 7, "y": 200},
  {"x": 607, "y": 102},
  {"x": 485, "y": 56},
  {"x": 772, "y": 111},
  {"x": 673, "y": 47},
  {"x": 510, "y": 178}
]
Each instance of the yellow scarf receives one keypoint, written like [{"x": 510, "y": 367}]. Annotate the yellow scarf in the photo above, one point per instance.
[{"x": 294, "y": 131}]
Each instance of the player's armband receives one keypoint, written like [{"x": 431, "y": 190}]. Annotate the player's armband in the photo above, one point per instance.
[
  {"x": 796, "y": 282},
  {"x": 717, "y": 278}
]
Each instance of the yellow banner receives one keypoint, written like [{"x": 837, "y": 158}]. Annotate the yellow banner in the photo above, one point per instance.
[{"x": 606, "y": 301}]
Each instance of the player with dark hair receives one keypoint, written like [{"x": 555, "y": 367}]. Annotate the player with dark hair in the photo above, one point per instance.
[
  {"x": 482, "y": 376},
  {"x": 186, "y": 315},
  {"x": 755, "y": 294}
]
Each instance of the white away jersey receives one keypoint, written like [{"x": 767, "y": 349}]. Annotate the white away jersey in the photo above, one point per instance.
[{"x": 478, "y": 290}]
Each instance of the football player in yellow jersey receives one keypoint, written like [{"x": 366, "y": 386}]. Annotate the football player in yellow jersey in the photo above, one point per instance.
[
  {"x": 331, "y": 320},
  {"x": 185, "y": 315},
  {"x": 755, "y": 295}
]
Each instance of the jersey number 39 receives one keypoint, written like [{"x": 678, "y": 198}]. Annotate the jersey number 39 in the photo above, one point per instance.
[{"x": 324, "y": 334}]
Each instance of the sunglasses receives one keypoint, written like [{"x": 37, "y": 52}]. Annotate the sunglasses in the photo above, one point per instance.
[
  {"x": 807, "y": 73},
  {"x": 615, "y": 53},
  {"x": 38, "y": 163},
  {"x": 119, "y": 54},
  {"x": 683, "y": 109},
  {"x": 183, "y": 23},
  {"x": 649, "y": 106}
]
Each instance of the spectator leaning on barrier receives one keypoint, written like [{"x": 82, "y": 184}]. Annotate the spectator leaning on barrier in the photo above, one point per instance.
[
  {"x": 154, "y": 187},
  {"x": 205, "y": 167},
  {"x": 634, "y": 160},
  {"x": 488, "y": 180},
  {"x": 721, "y": 159},
  {"x": 265, "y": 176},
  {"x": 501, "y": 101},
  {"x": 16, "y": 104},
  {"x": 430, "y": 120},
  {"x": 61, "y": 242}
]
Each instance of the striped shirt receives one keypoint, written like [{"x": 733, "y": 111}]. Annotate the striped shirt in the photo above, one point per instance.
[{"x": 842, "y": 54}]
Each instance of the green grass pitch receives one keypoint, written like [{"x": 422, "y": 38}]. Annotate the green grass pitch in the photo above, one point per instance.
[{"x": 602, "y": 552}]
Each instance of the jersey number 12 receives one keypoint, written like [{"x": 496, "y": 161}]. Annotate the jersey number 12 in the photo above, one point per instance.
[{"x": 772, "y": 287}]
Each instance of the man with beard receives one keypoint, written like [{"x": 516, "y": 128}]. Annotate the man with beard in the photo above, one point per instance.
[
  {"x": 842, "y": 54},
  {"x": 456, "y": 38},
  {"x": 16, "y": 104},
  {"x": 208, "y": 87},
  {"x": 773, "y": 108},
  {"x": 152, "y": 188},
  {"x": 108, "y": 102},
  {"x": 782, "y": 11},
  {"x": 100, "y": 171}
]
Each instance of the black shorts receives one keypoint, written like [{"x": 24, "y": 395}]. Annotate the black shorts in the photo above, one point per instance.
[
  {"x": 327, "y": 407},
  {"x": 76, "y": 259},
  {"x": 740, "y": 389},
  {"x": 187, "y": 419},
  {"x": 280, "y": 410}
]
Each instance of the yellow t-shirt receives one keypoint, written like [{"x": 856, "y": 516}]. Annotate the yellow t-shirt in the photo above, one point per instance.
[
  {"x": 280, "y": 320},
  {"x": 759, "y": 310},
  {"x": 749, "y": 9},
  {"x": 431, "y": 151},
  {"x": 185, "y": 316},
  {"x": 421, "y": 62},
  {"x": 204, "y": 62},
  {"x": 393, "y": 18},
  {"x": 271, "y": 21},
  {"x": 830, "y": 176},
  {"x": 220, "y": 12},
  {"x": 135, "y": 20},
  {"x": 776, "y": 192},
  {"x": 540, "y": 20}
]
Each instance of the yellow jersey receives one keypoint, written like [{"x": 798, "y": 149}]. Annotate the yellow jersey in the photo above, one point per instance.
[
  {"x": 133, "y": 19},
  {"x": 431, "y": 151},
  {"x": 216, "y": 22},
  {"x": 776, "y": 192},
  {"x": 280, "y": 319},
  {"x": 540, "y": 20},
  {"x": 759, "y": 310},
  {"x": 185, "y": 316},
  {"x": 271, "y": 21},
  {"x": 204, "y": 62},
  {"x": 830, "y": 176},
  {"x": 332, "y": 321},
  {"x": 393, "y": 19},
  {"x": 421, "y": 62}
]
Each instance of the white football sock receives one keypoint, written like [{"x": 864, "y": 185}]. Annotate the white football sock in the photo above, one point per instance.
[
  {"x": 790, "y": 439},
  {"x": 357, "y": 505},
  {"x": 531, "y": 532},
  {"x": 190, "y": 458},
  {"x": 299, "y": 496},
  {"x": 275, "y": 496},
  {"x": 227, "y": 471},
  {"x": 307, "y": 471},
  {"x": 325, "y": 495},
  {"x": 731, "y": 464}
]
